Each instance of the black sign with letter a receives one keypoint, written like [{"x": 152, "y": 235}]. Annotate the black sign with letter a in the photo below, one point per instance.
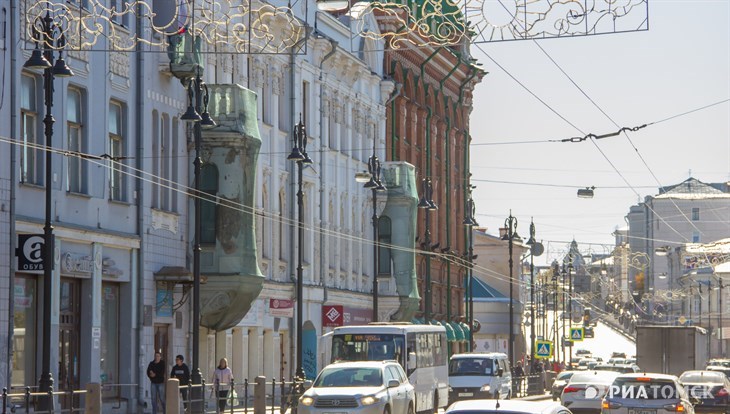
[{"x": 30, "y": 252}]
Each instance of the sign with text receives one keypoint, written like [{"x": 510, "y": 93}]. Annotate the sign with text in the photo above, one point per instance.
[
  {"x": 30, "y": 252},
  {"x": 281, "y": 308},
  {"x": 333, "y": 315}
]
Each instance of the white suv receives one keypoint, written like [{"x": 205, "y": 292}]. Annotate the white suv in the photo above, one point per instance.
[{"x": 363, "y": 387}]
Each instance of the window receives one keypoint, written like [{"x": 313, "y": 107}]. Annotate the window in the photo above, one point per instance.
[
  {"x": 117, "y": 190},
  {"x": 119, "y": 17},
  {"x": 164, "y": 162},
  {"x": 24, "y": 332},
  {"x": 208, "y": 211},
  {"x": 305, "y": 102},
  {"x": 695, "y": 213},
  {"x": 110, "y": 339},
  {"x": 384, "y": 238},
  {"x": 695, "y": 237},
  {"x": 76, "y": 173},
  {"x": 284, "y": 110},
  {"x": 31, "y": 157}
]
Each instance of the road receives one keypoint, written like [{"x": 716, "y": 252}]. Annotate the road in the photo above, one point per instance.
[{"x": 605, "y": 342}]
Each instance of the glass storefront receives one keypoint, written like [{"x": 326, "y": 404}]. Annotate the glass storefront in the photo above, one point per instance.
[{"x": 25, "y": 328}]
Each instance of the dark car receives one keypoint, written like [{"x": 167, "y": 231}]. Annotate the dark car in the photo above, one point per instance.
[
  {"x": 560, "y": 381},
  {"x": 709, "y": 387}
]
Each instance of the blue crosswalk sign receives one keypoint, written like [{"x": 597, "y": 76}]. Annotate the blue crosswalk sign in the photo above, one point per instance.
[
  {"x": 543, "y": 349},
  {"x": 576, "y": 334}
]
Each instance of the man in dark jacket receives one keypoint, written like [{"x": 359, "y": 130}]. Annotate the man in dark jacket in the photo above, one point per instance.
[
  {"x": 182, "y": 373},
  {"x": 156, "y": 374}
]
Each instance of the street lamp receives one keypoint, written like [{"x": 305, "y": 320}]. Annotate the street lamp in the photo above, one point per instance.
[
  {"x": 533, "y": 244},
  {"x": 48, "y": 36},
  {"x": 426, "y": 203},
  {"x": 197, "y": 102},
  {"x": 470, "y": 222},
  {"x": 300, "y": 156},
  {"x": 510, "y": 234},
  {"x": 372, "y": 181},
  {"x": 556, "y": 271}
]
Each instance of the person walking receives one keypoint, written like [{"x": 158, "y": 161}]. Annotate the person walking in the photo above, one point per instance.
[
  {"x": 181, "y": 371},
  {"x": 156, "y": 374},
  {"x": 222, "y": 377}
]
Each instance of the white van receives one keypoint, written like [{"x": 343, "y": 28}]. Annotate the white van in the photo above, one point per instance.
[{"x": 479, "y": 375}]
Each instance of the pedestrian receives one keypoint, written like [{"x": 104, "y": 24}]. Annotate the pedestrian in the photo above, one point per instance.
[
  {"x": 156, "y": 374},
  {"x": 182, "y": 373},
  {"x": 222, "y": 377}
]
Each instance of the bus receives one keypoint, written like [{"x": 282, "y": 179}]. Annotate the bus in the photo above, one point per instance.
[{"x": 420, "y": 349}]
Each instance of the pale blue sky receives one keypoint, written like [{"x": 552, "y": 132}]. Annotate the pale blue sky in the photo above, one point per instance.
[{"x": 681, "y": 63}]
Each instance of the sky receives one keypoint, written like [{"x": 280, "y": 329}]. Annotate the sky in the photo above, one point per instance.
[{"x": 680, "y": 64}]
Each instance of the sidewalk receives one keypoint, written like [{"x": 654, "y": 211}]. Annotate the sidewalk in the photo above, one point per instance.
[{"x": 539, "y": 397}]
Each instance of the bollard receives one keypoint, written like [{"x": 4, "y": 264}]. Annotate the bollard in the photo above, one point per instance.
[
  {"x": 245, "y": 395},
  {"x": 259, "y": 396},
  {"x": 93, "y": 403},
  {"x": 5, "y": 400},
  {"x": 273, "y": 394},
  {"x": 172, "y": 396}
]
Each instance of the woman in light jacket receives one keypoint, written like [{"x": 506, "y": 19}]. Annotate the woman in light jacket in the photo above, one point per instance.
[{"x": 222, "y": 378}]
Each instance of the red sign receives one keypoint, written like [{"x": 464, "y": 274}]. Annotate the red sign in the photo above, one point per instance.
[
  {"x": 332, "y": 315},
  {"x": 281, "y": 308}
]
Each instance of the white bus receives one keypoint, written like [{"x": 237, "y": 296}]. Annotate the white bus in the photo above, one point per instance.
[{"x": 420, "y": 349}]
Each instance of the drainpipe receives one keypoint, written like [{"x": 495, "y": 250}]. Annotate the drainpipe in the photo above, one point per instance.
[
  {"x": 13, "y": 180},
  {"x": 141, "y": 378},
  {"x": 391, "y": 102},
  {"x": 322, "y": 193}
]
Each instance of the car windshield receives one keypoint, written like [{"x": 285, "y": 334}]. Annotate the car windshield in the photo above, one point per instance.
[
  {"x": 565, "y": 375},
  {"x": 594, "y": 377},
  {"x": 349, "y": 377},
  {"x": 471, "y": 366},
  {"x": 699, "y": 377},
  {"x": 643, "y": 389}
]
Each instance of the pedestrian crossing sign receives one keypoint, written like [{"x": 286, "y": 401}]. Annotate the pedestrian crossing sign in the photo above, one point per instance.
[
  {"x": 543, "y": 349},
  {"x": 576, "y": 334}
]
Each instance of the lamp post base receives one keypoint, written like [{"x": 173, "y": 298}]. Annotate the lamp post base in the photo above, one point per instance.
[
  {"x": 45, "y": 384},
  {"x": 196, "y": 393}
]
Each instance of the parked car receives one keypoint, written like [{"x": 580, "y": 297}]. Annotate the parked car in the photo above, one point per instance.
[
  {"x": 710, "y": 387},
  {"x": 646, "y": 393},
  {"x": 362, "y": 387},
  {"x": 585, "y": 390},
  {"x": 560, "y": 381},
  {"x": 479, "y": 375},
  {"x": 506, "y": 406},
  {"x": 583, "y": 363}
]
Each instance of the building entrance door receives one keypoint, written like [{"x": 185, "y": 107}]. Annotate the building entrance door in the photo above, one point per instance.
[
  {"x": 68, "y": 340},
  {"x": 162, "y": 341}
]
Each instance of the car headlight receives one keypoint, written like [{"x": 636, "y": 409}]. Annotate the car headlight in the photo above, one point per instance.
[
  {"x": 369, "y": 400},
  {"x": 485, "y": 388},
  {"x": 306, "y": 400}
]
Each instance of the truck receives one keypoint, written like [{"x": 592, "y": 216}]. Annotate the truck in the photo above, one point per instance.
[{"x": 671, "y": 349}]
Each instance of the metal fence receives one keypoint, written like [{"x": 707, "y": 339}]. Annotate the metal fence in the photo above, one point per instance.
[
  {"x": 261, "y": 397},
  {"x": 527, "y": 385}
]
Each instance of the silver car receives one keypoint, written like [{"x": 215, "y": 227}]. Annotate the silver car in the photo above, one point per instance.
[
  {"x": 646, "y": 394},
  {"x": 586, "y": 389},
  {"x": 363, "y": 387},
  {"x": 506, "y": 406}
]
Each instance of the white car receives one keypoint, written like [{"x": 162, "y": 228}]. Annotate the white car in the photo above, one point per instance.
[
  {"x": 647, "y": 393},
  {"x": 506, "y": 406},
  {"x": 586, "y": 389},
  {"x": 363, "y": 387}
]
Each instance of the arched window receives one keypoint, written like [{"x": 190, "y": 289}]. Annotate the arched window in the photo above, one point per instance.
[
  {"x": 384, "y": 238},
  {"x": 208, "y": 204}
]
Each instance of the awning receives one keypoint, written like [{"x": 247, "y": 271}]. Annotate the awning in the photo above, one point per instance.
[
  {"x": 466, "y": 330},
  {"x": 174, "y": 274},
  {"x": 450, "y": 336},
  {"x": 458, "y": 332}
]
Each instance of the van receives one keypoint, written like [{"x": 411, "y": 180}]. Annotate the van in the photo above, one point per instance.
[{"x": 479, "y": 375}]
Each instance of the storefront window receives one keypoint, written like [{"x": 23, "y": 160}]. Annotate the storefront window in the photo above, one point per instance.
[
  {"x": 110, "y": 338},
  {"x": 24, "y": 335}
]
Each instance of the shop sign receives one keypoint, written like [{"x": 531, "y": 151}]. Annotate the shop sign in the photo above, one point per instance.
[
  {"x": 77, "y": 264},
  {"x": 30, "y": 253},
  {"x": 281, "y": 308},
  {"x": 332, "y": 315}
]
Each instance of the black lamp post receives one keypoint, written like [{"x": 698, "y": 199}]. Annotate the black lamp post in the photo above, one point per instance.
[
  {"x": 719, "y": 316},
  {"x": 469, "y": 222},
  {"x": 556, "y": 272},
  {"x": 299, "y": 155},
  {"x": 197, "y": 103},
  {"x": 510, "y": 234},
  {"x": 426, "y": 203},
  {"x": 533, "y": 250},
  {"x": 372, "y": 181},
  {"x": 48, "y": 36},
  {"x": 570, "y": 302}
]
